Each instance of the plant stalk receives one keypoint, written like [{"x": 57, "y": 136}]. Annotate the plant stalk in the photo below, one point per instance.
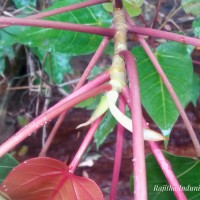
[
  {"x": 163, "y": 34},
  {"x": 167, "y": 170},
  {"x": 94, "y": 83},
  {"x": 63, "y": 9},
  {"x": 118, "y": 153},
  {"x": 48, "y": 116},
  {"x": 140, "y": 183},
  {"x": 4, "y": 21},
  {"x": 79, "y": 154}
]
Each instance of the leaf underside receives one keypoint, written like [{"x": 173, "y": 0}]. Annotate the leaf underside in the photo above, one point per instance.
[{"x": 47, "y": 178}]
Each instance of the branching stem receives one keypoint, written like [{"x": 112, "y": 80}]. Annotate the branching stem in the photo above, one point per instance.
[
  {"x": 140, "y": 185},
  {"x": 48, "y": 116}
]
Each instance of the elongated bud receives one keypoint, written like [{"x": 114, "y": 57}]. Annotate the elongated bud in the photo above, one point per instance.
[
  {"x": 100, "y": 110},
  {"x": 125, "y": 121}
]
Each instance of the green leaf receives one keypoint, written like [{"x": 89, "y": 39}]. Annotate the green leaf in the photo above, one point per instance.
[
  {"x": 56, "y": 64},
  {"x": 72, "y": 43},
  {"x": 191, "y": 6},
  {"x": 89, "y": 104},
  {"x": 176, "y": 63},
  {"x": 185, "y": 169},
  {"x": 107, "y": 125},
  {"x": 24, "y": 3},
  {"x": 196, "y": 27},
  {"x": 133, "y": 7},
  {"x": 195, "y": 89},
  {"x": 7, "y": 163}
]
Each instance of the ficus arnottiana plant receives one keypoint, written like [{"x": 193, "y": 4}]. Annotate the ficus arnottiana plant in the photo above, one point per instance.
[{"x": 119, "y": 86}]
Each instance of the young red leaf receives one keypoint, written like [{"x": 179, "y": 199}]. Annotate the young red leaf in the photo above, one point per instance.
[{"x": 48, "y": 179}]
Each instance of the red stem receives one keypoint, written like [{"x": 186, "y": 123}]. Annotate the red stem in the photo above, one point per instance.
[
  {"x": 140, "y": 184},
  {"x": 109, "y": 32},
  {"x": 93, "y": 61},
  {"x": 118, "y": 153},
  {"x": 163, "y": 34},
  {"x": 79, "y": 154},
  {"x": 94, "y": 83},
  {"x": 64, "y": 9},
  {"x": 47, "y": 116},
  {"x": 167, "y": 170}
]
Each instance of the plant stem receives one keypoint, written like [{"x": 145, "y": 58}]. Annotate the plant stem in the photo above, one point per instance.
[
  {"x": 48, "y": 116},
  {"x": 109, "y": 32},
  {"x": 167, "y": 170},
  {"x": 93, "y": 61},
  {"x": 172, "y": 93},
  {"x": 79, "y": 154},
  {"x": 140, "y": 185},
  {"x": 94, "y": 83},
  {"x": 63, "y": 9},
  {"x": 118, "y": 153},
  {"x": 163, "y": 34}
]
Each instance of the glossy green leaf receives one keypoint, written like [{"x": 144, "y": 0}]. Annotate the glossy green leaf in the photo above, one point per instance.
[
  {"x": 24, "y": 3},
  {"x": 72, "y": 43},
  {"x": 196, "y": 27},
  {"x": 47, "y": 178},
  {"x": 56, "y": 64},
  {"x": 176, "y": 63},
  {"x": 191, "y": 6},
  {"x": 185, "y": 169},
  {"x": 7, "y": 163},
  {"x": 195, "y": 89},
  {"x": 107, "y": 126}
]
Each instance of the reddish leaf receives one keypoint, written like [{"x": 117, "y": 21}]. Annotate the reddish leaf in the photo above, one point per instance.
[{"x": 48, "y": 179}]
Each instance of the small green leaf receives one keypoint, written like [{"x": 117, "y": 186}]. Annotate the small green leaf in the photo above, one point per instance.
[
  {"x": 196, "y": 27},
  {"x": 195, "y": 89},
  {"x": 24, "y": 3},
  {"x": 191, "y": 6},
  {"x": 7, "y": 163},
  {"x": 108, "y": 7},
  {"x": 107, "y": 126},
  {"x": 133, "y": 7},
  {"x": 185, "y": 169},
  {"x": 176, "y": 62}
]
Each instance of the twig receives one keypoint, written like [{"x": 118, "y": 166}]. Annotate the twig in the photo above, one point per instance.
[
  {"x": 118, "y": 153},
  {"x": 47, "y": 116},
  {"x": 140, "y": 184},
  {"x": 79, "y": 154},
  {"x": 4, "y": 21}
]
